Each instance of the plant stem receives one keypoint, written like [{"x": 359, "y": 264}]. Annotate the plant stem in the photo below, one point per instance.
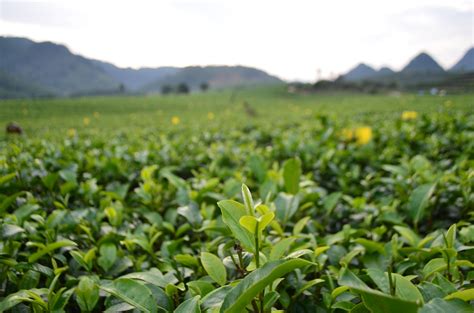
[
  {"x": 257, "y": 248},
  {"x": 257, "y": 263},
  {"x": 255, "y": 306},
  {"x": 390, "y": 281},
  {"x": 448, "y": 266}
]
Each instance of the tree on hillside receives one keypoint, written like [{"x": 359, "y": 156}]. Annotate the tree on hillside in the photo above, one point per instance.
[
  {"x": 166, "y": 89},
  {"x": 204, "y": 86},
  {"x": 182, "y": 88}
]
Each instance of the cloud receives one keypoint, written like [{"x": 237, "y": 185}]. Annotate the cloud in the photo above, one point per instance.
[
  {"x": 40, "y": 13},
  {"x": 291, "y": 39}
]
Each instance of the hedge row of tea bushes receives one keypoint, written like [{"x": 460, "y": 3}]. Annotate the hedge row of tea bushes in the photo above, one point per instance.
[{"x": 264, "y": 218}]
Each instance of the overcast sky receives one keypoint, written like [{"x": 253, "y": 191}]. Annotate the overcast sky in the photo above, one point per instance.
[{"x": 290, "y": 38}]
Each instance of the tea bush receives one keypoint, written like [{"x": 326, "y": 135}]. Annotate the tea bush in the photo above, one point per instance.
[{"x": 262, "y": 217}]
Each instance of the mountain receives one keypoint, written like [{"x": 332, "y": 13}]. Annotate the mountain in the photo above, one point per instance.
[
  {"x": 421, "y": 69},
  {"x": 13, "y": 87},
  {"x": 360, "y": 72},
  {"x": 37, "y": 69},
  {"x": 466, "y": 64},
  {"x": 385, "y": 71},
  {"x": 364, "y": 72},
  {"x": 422, "y": 64},
  {"x": 215, "y": 76},
  {"x": 52, "y": 67},
  {"x": 134, "y": 79}
]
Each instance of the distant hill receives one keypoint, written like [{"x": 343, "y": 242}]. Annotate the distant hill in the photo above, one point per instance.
[
  {"x": 37, "y": 69},
  {"x": 365, "y": 72},
  {"x": 385, "y": 71},
  {"x": 422, "y": 64},
  {"x": 466, "y": 64},
  {"x": 360, "y": 72},
  {"x": 52, "y": 67},
  {"x": 13, "y": 87},
  {"x": 420, "y": 70},
  {"x": 215, "y": 76},
  {"x": 134, "y": 79}
]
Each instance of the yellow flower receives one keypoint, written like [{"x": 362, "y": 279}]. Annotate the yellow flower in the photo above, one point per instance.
[
  {"x": 409, "y": 115},
  {"x": 448, "y": 103},
  {"x": 96, "y": 114},
  {"x": 210, "y": 115},
  {"x": 363, "y": 135},
  {"x": 347, "y": 134},
  {"x": 71, "y": 132},
  {"x": 86, "y": 121},
  {"x": 175, "y": 120}
]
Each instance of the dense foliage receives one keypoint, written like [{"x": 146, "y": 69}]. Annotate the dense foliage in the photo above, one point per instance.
[{"x": 331, "y": 218}]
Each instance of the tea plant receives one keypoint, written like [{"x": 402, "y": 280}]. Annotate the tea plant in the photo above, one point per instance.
[{"x": 276, "y": 217}]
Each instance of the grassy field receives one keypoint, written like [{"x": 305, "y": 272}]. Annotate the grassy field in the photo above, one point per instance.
[
  {"x": 294, "y": 203},
  {"x": 222, "y": 109}
]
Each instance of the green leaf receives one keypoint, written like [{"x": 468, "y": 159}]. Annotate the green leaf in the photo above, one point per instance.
[
  {"x": 248, "y": 201},
  {"x": 264, "y": 220},
  {"x": 153, "y": 277},
  {"x": 189, "y": 306},
  {"x": 443, "y": 306},
  {"x": 360, "y": 308},
  {"x": 291, "y": 175},
  {"x": 132, "y": 292},
  {"x": 330, "y": 202},
  {"x": 371, "y": 246},
  {"x": 186, "y": 259},
  {"x": 419, "y": 200},
  {"x": 232, "y": 211},
  {"x": 451, "y": 236},
  {"x": 347, "y": 278},
  {"x": 376, "y": 301},
  {"x": 29, "y": 280},
  {"x": 214, "y": 267},
  {"x": 147, "y": 172},
  {"x": 87, "y": 294},
  {"x": 343, "y": 305},
  {"x": 433, "y": 266},
  {"x": 410, "y": 236},
  {"x": 79, "y": 258},
  {"x": 269, "y": 300},
  {"x": 14, "y": 299},
  {"x": 308, "y": 285},
  {"x": 380, "y": 278},
  {"x": 406, "y": 290},
  {"x": 108, "y": 255},
  {"x": 9, "y": 230},
  {"x": 191, "y": 213},
  {"x": 280, "y": 248},
  {"x": 49, "y": 248},
  {"x": 200, "y": 287},
  {"x": 249, "y": 222},
  {"x": 465, "y": 295},
  {"x": 243, "y": 293},
  {"x": 214, "y": 299},
  {"x": 7, "y": 201},
  {"x": 258, "y": 168},
  {"x": 300, "y": 225},
  {"x": 6, "y": 178}
]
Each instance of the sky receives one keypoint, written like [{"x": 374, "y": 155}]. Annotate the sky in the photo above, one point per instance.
[{"x": 292, "y": 39}]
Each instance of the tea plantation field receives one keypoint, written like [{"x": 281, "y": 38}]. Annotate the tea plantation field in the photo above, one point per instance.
[{"x": 238, "y": 201}]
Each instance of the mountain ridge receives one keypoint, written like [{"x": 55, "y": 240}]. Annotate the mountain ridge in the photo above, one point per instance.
[
  {"x": 421, "y": 68},
  {"x": 466, "y": 63},
  {"x": 50, "y": 68}
]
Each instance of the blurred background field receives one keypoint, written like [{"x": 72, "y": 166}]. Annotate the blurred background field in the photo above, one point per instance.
[{"x": 232, "y": 108}]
